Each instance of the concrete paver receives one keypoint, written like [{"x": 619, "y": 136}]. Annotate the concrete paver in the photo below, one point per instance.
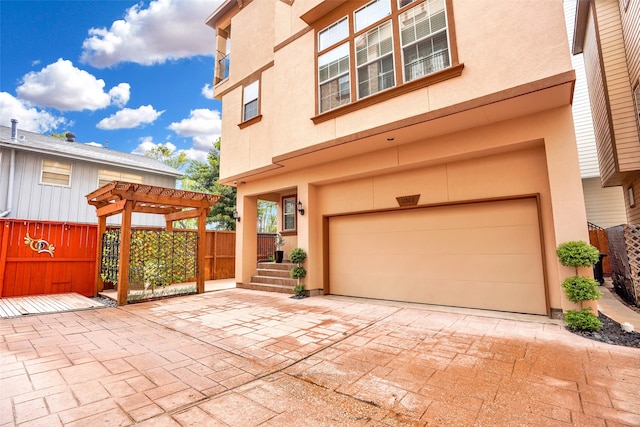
[{"x": 243, "y": 358}]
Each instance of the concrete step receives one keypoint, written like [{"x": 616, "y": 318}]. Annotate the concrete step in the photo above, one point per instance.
[
  {"x": 273, "y": 273},
  {"x": 284, "y": 289},
  {"x": 276, "y": 266},
  {"x": 267, "y": 280}
]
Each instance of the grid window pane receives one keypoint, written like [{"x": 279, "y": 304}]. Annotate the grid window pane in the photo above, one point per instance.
[
  {"x": 375, "y": 77},
  {"x": 250, "y": 101},
  {"x": 289, "y": 213}
]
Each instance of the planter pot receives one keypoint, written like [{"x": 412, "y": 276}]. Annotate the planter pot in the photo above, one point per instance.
[{"x": 279, "y": 256}]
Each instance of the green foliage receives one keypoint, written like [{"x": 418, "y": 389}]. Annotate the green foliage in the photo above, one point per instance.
[
  {"x": 583, "y": 320},
  {"x": 278, "y": 241},
  {"x": 167, "y": 156},
  {"x": 581, "y": 288},
  {"x": 299, "y": 289},
  {"x": 577, "y": 254},
  {"x": 62, "y": 135},
  {"x": 157, "y": 258},
  {"x": 298, "y": 273},
  {"x": 267, "y": 221},
  {"x": 203, "y": 177},
  {"x": 297, "y": 256}
]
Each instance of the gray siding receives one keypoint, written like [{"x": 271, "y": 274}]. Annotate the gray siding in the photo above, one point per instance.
[{"x": 36, "y": 201}]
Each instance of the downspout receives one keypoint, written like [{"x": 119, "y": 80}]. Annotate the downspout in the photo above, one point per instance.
[{"x": 12, "y": 169}]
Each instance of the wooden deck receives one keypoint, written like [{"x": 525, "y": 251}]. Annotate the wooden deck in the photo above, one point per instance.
[{"x": 38, "y": 304}]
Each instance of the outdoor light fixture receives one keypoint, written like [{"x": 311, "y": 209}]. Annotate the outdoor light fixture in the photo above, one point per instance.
[
  {"x": 300, "y": 208},
  {"x": 236, "y": 215}
]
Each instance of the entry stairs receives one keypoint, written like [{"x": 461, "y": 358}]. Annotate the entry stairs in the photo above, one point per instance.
[{"x": 272, "y": 277}]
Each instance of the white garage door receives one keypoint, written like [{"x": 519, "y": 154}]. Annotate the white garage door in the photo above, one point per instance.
[{"x": 481, "y": 255}]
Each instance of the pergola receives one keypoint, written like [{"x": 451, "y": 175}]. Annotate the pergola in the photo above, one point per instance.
[{"x": 125, "y": 198}]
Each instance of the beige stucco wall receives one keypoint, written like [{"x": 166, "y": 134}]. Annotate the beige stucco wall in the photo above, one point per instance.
[
  {"x": 535, "y": 154},
  {"x": 286, "y": 122}
]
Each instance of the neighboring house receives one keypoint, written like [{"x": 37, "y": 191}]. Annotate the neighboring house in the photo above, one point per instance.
[
  {"x": 607, "y": 33},
  {"x": 605, "y": 205},
  {"x": 47, "y": 178},
  {"x": 419, "y": 150}
]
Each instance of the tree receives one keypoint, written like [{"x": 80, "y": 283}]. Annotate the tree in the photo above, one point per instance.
[
  {"x": 167, "y": 156},
  {"x": 203, "y": 177},
  {"x": 267, "y": 221}
]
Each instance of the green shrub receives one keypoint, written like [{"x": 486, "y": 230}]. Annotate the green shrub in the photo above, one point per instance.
[
  {"x": 577, "y": 254},
  {"x": 580, "y": 288},
  {"x": 298, "y": 273},
  {"x": 583, "y": 320},
  {"x": 299, "y": 289},
  {"x": 297, "y": 256}
]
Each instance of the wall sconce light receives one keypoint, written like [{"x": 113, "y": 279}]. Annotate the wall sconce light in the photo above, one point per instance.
[
  {"x": 300, "y": 208},
  {"x": 236, "y": 215}
]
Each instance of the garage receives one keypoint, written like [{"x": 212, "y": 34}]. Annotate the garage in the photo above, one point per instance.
[{"x": 484, "y": 255}]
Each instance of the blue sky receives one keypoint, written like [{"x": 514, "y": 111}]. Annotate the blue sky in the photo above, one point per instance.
[{"x": 136, "y": 74}]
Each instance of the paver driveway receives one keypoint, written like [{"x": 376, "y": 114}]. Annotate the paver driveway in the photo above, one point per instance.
[{"x": 245, "y": 358}]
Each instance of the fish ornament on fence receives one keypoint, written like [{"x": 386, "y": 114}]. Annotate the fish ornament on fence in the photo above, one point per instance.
[{"x": 39, "y": 245}]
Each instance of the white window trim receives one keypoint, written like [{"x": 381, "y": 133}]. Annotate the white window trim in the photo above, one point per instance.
[{"x": 294, "y": 214}]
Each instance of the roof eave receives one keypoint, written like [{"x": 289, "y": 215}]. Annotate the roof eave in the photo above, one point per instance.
[{"x": 580, "y": 25}]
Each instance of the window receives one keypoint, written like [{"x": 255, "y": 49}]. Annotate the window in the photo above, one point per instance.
[
  {"x": 387, "y": 43},
  {"x": 333, "y": 76},
  {"x": 372, "y": 12},
  {"x": 423, "y": 35},
  {"x": 106, "y": 176},
  {"x": 250, "y": 101},
  {"x": 374, "y": 59},
  {"x": 56, "y": 173},
  {"x": 289, "y": 213}
]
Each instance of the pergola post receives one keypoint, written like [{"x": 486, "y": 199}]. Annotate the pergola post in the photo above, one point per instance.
[
  {"x": 99, "y": 283},
  {"x": 202, "y": 234},
  {"x": 124, "y": 256}
]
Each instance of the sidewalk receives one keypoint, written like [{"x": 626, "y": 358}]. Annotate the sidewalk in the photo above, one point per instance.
[{"x": 614, "y": 309}]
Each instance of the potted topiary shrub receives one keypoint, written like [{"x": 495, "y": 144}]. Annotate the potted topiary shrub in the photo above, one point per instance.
[
  {"x": 279, "y": 242},
  {"x": 298, "y": 256},
  {"x": 580, "y": 289}
]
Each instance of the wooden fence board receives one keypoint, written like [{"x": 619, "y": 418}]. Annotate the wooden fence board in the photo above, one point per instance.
[{"x": 598, "y": 238}]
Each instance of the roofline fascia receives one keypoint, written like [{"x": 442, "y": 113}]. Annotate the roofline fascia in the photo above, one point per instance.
[
  {"x": 4, "y": 144},
  {"x": 220, "y": 12},
  {"x": 580, "y": 25}
]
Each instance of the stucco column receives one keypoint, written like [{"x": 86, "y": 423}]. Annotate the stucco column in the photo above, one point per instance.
[
  {"x": 567, "y": 199},
  {"x": 246, "y": 238}
]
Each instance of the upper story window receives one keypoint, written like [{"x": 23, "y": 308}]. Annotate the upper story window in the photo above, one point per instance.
[
  {"x": 423, "y": 34},
  {"x": 56, "y": 173},
  {"x": 250, "y": 101},
  {"x": 387, "y": 44},
  {"x": 106, "y": 176}
]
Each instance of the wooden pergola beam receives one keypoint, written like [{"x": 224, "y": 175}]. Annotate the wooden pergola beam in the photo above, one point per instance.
[
  {"x": 177, "y": 216},
  {"x": 111, "y": 209}
]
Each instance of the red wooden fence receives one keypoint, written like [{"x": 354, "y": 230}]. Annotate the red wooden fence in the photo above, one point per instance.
[
  {"x": 69, "y": 266},
  {"x": 43, "y": 257}
]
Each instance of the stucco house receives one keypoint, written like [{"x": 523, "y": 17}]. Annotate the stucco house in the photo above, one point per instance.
[
  {"x": 607, "y": 33},
  {"x": 47, "y": 178},
  {"x": 416, "y": 154}
]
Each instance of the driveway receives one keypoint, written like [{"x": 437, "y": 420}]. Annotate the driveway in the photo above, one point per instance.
[{"x": 246, "y": 358}]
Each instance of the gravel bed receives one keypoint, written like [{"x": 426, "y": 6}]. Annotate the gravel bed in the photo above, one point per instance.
[
  {"x": 106, "y": 301},
  {"x": 611, "y": 333}
]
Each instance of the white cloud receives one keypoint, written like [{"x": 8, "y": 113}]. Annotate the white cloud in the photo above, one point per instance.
[
  {"x": 165, "y": 30},
  {"x": 120, "y": 94},
  {"x": 93, "y": 144},
  {"x": 203, "y": 126},
  {"x": 62, "y": 86},
  {"x": 146, "y": 144},
  {"x": 29, "y": 118},
  {"x": 129, "y": 118},
  {"x": 207, "y": 91}
]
